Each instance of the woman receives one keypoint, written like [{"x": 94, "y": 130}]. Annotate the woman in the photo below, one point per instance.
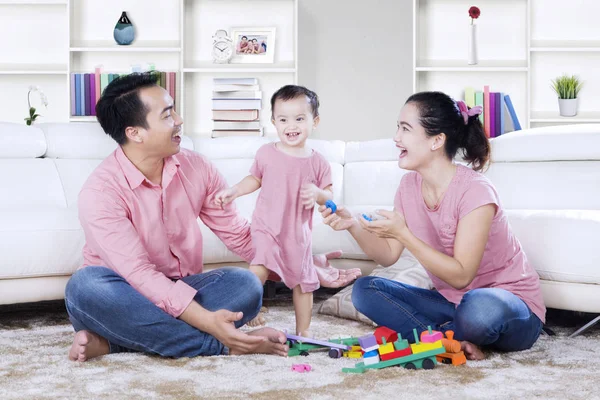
[{"x": 450, "y": 218}]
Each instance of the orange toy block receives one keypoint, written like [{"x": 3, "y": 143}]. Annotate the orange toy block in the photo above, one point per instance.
[
  {"x": 430, "y": 336},
  {"x": 396, "y": 354},
  {"x": 384, "y": 332}
]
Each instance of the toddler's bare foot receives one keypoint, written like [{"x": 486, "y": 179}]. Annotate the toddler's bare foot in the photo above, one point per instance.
[
  {"x": 305, "y": 333},
  {"x": 87, "y": 345},
  {"x": 275, "y": 345},
  {"x": 259, "y": 320},
  {"x": 472, "y": 352}
]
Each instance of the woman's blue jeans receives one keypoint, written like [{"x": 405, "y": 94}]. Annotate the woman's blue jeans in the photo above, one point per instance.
[{"x": 490, "y": 317}]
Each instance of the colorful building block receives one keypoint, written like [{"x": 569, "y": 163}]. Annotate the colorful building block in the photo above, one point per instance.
[
  {"x": 396, "y": 354},
  {"x": 372, "y": 353},
  {"x": 371, "y": 360},
  {"x": 353, "y": 354},
  {"x": 421, "y": 347},
  {"x": 430, "y": 336},
  {"x": 385, "y": 347},
  {"x": 385, "y": 332},
  {"x": 401, "y": 344},
  {"x": 368, "y": 343}
]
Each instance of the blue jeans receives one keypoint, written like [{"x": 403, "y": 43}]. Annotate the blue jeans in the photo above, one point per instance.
[
  {"x": 494, "y": 318},
  {"x": 100, "y": 300}
]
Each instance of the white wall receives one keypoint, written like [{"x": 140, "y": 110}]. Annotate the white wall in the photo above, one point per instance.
[{"x": 357, "y": 56}]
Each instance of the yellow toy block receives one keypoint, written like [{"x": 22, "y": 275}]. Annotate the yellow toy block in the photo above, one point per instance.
[
  {"x": 353, "y": 354},
  {"x": 386, "y": 348},
  {"x": 421, "y": 347}
]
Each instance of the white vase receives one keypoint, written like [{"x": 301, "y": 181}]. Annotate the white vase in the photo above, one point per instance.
[
  {"x": 567, "y": 107},
  {"x": 472, "y": 44}
]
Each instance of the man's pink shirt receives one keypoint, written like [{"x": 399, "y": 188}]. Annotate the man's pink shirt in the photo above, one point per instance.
[{"x": 148, "y": 233}]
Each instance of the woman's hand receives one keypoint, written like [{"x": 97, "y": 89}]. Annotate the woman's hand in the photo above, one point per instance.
[
  {"x": 393, "y": 226},
  {"x": 340, "y": 221}
]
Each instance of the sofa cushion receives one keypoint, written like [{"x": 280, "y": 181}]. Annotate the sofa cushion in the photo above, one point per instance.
[
  {"x": 547, "y": 185},
  {"x": 559, "y": 243},
  {"x": 39, "y": 242},
  {"x": 551, "y": 143},
  {"x": 21, "y": 141},
  {"x": 372, "y": 150},
  {"x": 73, "y": 174},
  {"x": 31, "y": 183},
  {"x": 371, "y": 183}
]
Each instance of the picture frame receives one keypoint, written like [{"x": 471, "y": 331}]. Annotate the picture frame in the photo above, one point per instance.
[{"x": 253, "y": 45}]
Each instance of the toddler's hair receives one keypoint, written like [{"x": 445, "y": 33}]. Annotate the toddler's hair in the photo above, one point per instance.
[{"x": 290, "y": 92}]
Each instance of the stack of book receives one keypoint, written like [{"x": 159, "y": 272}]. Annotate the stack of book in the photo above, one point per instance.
[
  {"x": 499, "y": 116},
  {"x": 236, "y": 105},
  {"x": 86, "y": 89}
]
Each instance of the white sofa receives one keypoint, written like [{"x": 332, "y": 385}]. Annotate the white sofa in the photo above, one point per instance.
[{"x": 548, "y": 180}]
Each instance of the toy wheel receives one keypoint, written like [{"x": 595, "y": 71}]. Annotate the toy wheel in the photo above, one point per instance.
[
  {"x": 304, "y": 353},
  {"x": 428, "y": 364},
  {"x": 335, "y": 353},
  {"x": 446, "y": 361},
  {"x": 410, "y": 366}
]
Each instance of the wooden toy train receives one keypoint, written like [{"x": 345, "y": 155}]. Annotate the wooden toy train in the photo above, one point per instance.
[{"x": 386, "y": 348}]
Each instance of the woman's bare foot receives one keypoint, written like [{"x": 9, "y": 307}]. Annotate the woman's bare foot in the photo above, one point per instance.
[
  {"x": 472, "y": 352},
  {"x": 275, "y": 345},
  {"x": 259, "y": 320},
  {"x": 87, "y": 345}
]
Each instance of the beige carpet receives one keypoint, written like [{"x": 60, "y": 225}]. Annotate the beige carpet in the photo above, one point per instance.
[{"x": 33, "y": 365}]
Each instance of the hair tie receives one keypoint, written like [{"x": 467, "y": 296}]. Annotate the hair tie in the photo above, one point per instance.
[{"x": 466, "y": 112}]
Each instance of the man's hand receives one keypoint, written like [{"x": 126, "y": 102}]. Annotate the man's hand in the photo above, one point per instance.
[
  {"x": 309, "y": 194},
  {"x": 222, "y": 327},
  {"x": 225, "y": 197}
]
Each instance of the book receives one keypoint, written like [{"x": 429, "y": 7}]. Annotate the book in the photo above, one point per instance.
[
  {"x": 486, "y": 110},
  {"x": 92, "y": 94},
  {"x": 479, "y": 102},
  {"x": 73, "y": 89},
  {"x": 77, "y": 94},
  {"x": 235, "y": 115},
  {"x": 492, "y": 114},
  {"x": 242, "y": 94},
  {"x": 253, "y": 132},
  {"x": 97, "y": 72},
  {"x": 499, "y": 109},
  {"x": 513, "y": 114},
  {"x": 237, "y": 104},
  {"x": 235, "y": 125},
  {"x": 234, "y": 88},
  {"x": 235, "y": 81},
  {"x": 469, "y": 97},
  {"x": 81, "y": 94},
  {"x": 86, "y": 93}
]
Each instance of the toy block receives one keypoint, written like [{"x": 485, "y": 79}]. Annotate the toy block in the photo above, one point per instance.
[
  {"x": 353, "y": 354},
  {"x": 356, "y": 348},
  {"x": 385, "y": 332},
  {"x": 386, "y": 348},
  {"x": 396, "y": 354},
  {"x": 401, "y": 344},
  {"x": 421, "y": 347},
  {"x": 371, "y": 360},
  {"x": 368, "y": 342},
  {"x": 431, "y": 336},
  {"x": 452, "y": 358},
  {"x": 371, "y": 354}
]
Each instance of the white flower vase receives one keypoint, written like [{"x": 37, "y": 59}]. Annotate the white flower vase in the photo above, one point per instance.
[
  {"x": 472, "y": 44},
  {"x": 567, "y": 107}
]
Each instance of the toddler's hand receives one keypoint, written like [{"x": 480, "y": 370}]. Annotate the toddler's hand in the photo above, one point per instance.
[
  {"x": 308, "y": 195},
  {"x": 224, "y": 197}
]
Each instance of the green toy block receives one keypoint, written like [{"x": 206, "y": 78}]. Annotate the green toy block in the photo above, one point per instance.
[
  {"x": 400, "y": 344},
  {"x": 351, "y": 341}
]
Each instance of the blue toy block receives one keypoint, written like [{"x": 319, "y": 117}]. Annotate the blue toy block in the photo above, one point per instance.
[
  {"x": 330, "y": 204},
  {"x": 365, "y": 216},
  {"x": 373, "y": 353}
]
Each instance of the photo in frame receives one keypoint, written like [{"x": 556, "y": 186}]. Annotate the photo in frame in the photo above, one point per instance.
[{"x": 253, "y": 45}]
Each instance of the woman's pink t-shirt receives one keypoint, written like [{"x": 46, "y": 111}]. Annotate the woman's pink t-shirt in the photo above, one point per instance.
[{"x": 504, "y": 264}]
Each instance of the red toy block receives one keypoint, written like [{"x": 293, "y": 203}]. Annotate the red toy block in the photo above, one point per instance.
[
  {"x": 389, "y": 335},
  {"x": 396, "y": 354}
]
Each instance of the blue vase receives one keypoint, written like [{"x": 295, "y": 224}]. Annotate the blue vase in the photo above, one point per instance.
[{"x": 124, "y": 32}]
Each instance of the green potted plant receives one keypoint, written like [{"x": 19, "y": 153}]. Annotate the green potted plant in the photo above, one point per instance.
[{"x": 567, "y": 88}]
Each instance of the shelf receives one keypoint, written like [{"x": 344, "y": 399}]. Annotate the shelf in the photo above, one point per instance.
[
  {"x": 565, "y": 45},
  {"x": 111, "y": 46},
  {"x": 83, "y": 118},
  {"x": 554, "y": 116},
  {"x": 33, "y": 3},
  {"x": 32, "y": 69},
  {"x": 462, "y": 66},
  {"x": 207, "y": 67}
]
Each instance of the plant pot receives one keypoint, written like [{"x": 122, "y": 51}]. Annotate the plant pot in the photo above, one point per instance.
[
  {"x": 472, "y": 44},
  {"x": 124, "y": 32},
  {"x": 567, "y": 107}
]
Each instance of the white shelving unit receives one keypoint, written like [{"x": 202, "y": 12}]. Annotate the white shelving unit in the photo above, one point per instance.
[
  {"x": 522, "y": 44},
  {"x": 54, "y": 38}
]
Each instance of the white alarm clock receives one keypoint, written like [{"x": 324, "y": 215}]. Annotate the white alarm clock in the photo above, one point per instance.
[{"x": 222, "y": 50}]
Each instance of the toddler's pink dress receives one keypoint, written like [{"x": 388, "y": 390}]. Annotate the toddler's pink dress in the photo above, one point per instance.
[{"x": 281, "y": 226}]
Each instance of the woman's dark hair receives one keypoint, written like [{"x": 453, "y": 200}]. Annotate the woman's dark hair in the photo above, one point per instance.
[
  {"x": 439, "y": 113},
  {"x": 290, "y": 92},
  {"x": 120, "y": 105}
]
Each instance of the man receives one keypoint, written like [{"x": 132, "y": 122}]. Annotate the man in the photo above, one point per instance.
[{"x": 141, "y": 288}]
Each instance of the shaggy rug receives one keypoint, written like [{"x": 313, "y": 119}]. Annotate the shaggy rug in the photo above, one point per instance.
[{"x": 34, "y": 365}]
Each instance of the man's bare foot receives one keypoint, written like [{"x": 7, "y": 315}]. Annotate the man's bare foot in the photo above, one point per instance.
[
  {"x": 259, "y": 320},
  {"x": 472, "y": 352},
  {"x": 275, "y": 345},
  {"x": 87, "y": 345}
]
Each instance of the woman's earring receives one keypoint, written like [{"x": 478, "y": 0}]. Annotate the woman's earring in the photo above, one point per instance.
[{"x": 433, "y": 147}]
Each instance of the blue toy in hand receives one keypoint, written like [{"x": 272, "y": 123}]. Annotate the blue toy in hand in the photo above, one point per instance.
[
  {"x": 365, "y": 216},
  {"x": 331, "y": 205}
]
